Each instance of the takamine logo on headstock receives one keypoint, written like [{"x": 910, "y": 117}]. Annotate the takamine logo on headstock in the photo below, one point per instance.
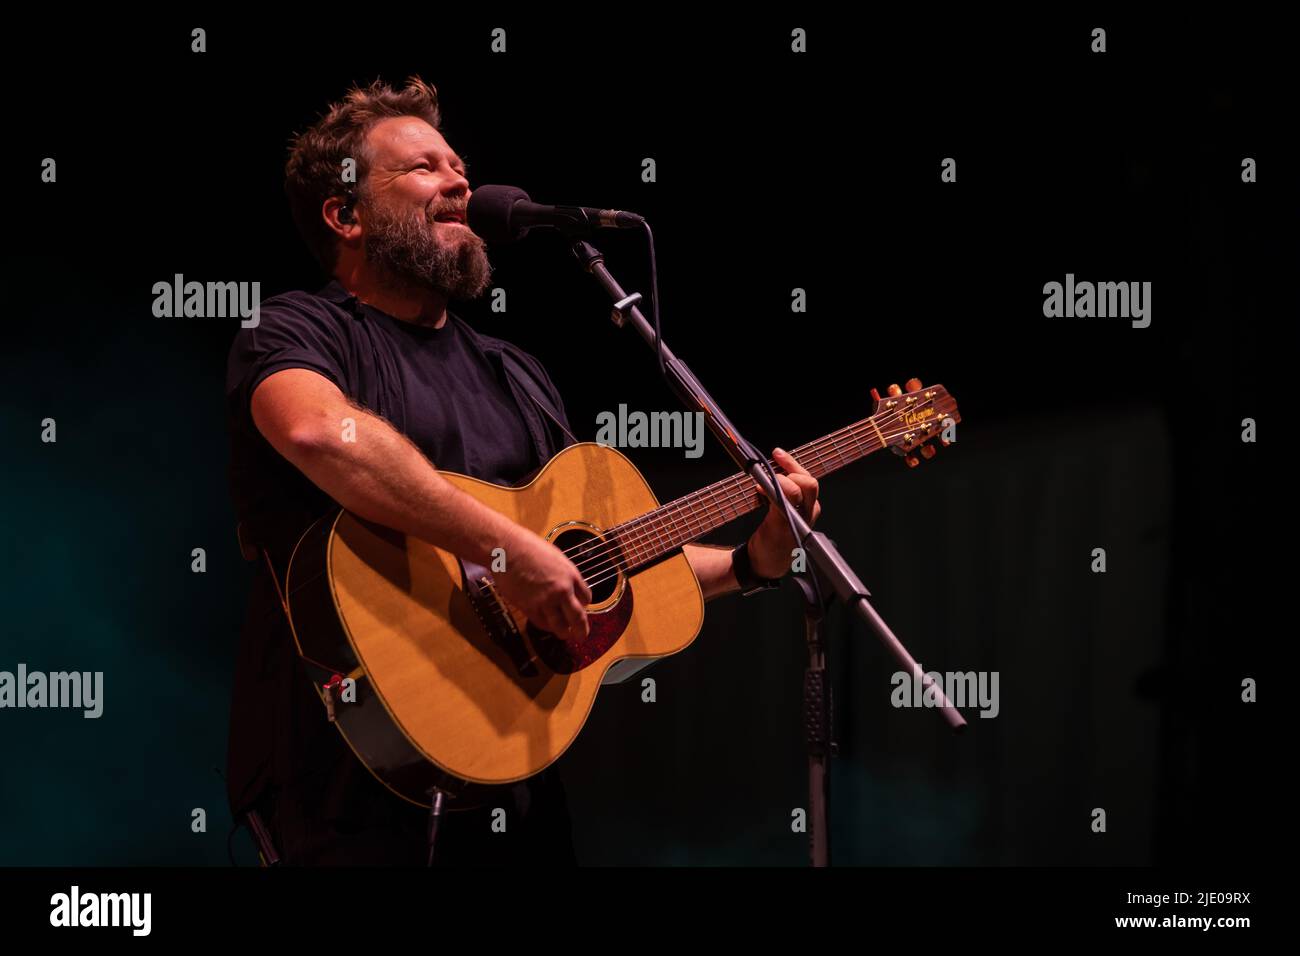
[{"x": 907, "y": 418}]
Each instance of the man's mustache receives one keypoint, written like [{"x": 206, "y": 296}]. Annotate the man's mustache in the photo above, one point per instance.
[{"x": 457, "y": 209}]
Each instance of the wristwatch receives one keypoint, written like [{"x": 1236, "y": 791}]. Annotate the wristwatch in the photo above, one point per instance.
[{"x": 750, "y": 583}]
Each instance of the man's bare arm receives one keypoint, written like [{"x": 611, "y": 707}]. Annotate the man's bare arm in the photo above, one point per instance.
[
  {"x": 383, "y": 477},
  {"x": 712, "y": 567}
]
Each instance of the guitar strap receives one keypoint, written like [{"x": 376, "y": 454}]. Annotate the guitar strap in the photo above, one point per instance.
[
  {"x": 251, "y": 551},
  {"x": 550, "y": 414},
  {"x": 279, "y": 591},
  {"x": 518, "y": 373}
]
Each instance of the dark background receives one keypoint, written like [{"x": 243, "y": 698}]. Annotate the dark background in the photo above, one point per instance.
[{"x": 821, "y": 171}]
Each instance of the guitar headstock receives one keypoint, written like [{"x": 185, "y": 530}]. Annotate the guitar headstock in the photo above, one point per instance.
[{"x": 907, "y": 418}]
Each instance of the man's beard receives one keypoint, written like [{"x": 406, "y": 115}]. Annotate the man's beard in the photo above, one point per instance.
[{"x": 405, "y": 245}]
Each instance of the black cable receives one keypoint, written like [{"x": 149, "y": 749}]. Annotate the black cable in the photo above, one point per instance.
[{"x": 654, "y": 302}]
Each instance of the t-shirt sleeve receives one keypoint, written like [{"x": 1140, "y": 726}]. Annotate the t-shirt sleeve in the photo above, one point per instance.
[{"x": 290, "y": 334}]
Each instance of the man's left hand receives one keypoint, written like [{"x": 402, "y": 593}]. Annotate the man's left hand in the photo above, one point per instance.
[{"x": 771, "y": 546}]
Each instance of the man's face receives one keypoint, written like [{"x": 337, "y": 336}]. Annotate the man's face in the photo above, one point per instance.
[{"x": 412, "y": 210}]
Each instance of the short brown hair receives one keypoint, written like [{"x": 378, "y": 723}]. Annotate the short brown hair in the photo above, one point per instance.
[{"x": 316, "y": 155}]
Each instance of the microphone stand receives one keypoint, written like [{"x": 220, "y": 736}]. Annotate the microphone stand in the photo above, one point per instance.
[
  {"x": 825, "y": 557},
  {"x": 818, "y": 717}
]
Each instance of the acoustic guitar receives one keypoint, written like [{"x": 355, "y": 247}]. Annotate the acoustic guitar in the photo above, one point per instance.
[{"x": 435, "y": 681}]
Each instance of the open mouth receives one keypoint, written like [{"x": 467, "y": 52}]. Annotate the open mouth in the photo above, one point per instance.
[{"x": 456, "y": 217}]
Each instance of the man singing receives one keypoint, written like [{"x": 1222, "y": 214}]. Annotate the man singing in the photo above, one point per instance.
[{"x": 379, "y": 346}]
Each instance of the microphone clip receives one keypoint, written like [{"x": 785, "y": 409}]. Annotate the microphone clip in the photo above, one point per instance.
[{"x": 618, "y": 314}]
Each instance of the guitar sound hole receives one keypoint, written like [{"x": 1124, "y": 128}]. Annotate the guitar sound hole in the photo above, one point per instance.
[{"x": 594, "y": 558}]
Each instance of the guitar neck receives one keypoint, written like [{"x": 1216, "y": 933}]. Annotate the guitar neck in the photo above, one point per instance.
[{"x": 660, "y": 532}]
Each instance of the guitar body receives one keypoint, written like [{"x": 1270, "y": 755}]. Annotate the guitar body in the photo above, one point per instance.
[{"x": 446, "y": 694}]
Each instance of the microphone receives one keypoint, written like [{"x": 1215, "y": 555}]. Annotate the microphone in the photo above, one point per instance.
[{"x": 505, "y": 214}]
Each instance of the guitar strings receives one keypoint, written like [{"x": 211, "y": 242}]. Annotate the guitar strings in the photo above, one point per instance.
[
  {"x": 609, "y": 570},
  {"x": 815, "y": 454},
  {"x": 820, "y": 451},
  {"x": 642, "y": 548}
]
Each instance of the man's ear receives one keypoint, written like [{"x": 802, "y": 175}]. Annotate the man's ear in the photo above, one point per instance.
[
  {"x": 340, "y": 215},
  {"x": 346, "y": 215}
]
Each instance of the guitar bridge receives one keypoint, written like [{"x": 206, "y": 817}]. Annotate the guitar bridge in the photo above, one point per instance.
[{"x": 497, "y": 621}]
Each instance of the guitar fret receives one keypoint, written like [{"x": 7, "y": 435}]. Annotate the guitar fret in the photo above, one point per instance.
[{"x": 861, "y": 449}]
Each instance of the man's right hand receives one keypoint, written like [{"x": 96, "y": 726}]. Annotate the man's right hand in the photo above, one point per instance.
[{"x": 545, "y": 585}]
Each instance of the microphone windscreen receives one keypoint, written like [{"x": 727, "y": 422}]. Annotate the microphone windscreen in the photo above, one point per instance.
[{"x": 489, "y": 213}]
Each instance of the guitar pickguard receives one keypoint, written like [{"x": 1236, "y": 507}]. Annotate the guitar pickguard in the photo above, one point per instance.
[{"x": 605, "y": 628}]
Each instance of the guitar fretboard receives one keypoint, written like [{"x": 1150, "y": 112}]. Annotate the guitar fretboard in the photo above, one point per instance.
[{"x": 657, "y": 533}]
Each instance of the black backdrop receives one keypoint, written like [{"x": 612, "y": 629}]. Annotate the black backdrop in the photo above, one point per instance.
[{"x": 775, "y": 171}]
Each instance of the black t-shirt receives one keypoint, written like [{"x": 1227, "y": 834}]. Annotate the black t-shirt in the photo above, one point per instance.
[{"x": 468, "y": 401}]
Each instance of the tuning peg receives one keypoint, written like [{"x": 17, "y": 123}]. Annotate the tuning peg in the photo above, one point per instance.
[
  {"x": 895, "y": 390},
  {"x": 912, "y": 461},
  {"x": 928, "y": 452},
  {"x": 875, "y": 393},
  {"x": 913, "y": 385}
]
